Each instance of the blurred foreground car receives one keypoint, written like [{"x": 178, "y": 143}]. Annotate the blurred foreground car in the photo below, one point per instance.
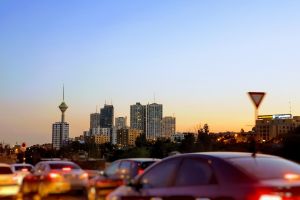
[
  {"x": 21, "y": 170},
  {"x": 218, "y": 175},
  {"x": 54, "y": 177},
  {"x": 8, "y": 182},
  {"x": 118, "y": 173}
]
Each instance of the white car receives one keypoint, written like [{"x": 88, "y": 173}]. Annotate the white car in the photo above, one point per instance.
[
  {"x": 55, "y": 177},
  {"x": 21, "y": 170},
  {"x": 9, "y": 186}
]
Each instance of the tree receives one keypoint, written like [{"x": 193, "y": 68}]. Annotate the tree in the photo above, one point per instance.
[
  {"x": 188, "y": 143},
  {"x": 204, "y": 140},
  {"x": 141, "y": 141},
  {"x": 291, "y": 145}
]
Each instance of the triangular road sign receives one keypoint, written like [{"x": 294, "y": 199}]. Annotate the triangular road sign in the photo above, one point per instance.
[{"x": 256, "y": 97}]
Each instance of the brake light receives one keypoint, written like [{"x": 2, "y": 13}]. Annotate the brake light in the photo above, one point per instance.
[
  {"x": 140, "y": 171},
  {"x": 66, "y": 169},
  {"x": 54, "y": 175},
  {"x": 270, "y": 197},
  {"x": 84, "y": 176},
  {"x": 292, "y": 176},
  {"x": 24, "y": 170}
]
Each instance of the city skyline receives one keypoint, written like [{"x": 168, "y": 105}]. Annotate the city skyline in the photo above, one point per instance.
[{"x": 198, "y": 58}]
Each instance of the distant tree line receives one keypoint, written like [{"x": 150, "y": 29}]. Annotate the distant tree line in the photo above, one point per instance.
[{"x": 288, "y": 147}]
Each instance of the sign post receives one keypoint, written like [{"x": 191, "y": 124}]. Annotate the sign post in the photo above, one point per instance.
[
  {"x": 23, "y": 149},
  {"x": 256, "y": 98}
]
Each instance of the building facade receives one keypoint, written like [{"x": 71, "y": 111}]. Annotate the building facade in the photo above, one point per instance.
[
  {"x": 137, "y": 117},
  {"x": 102, "y": 139},
  {"x": 168, "y": 127},
  {"x": 269, "y": 127},
  {"x": 107, "y": 116},
  {"x": 126, "y": 137},
  {"x": 94, "y": 120},
  {"x": 121, "y": 122},
  {"x": 122, "y": 137},
  {"x": 153, "y": 115},
  {"x": 132, "y": 136},
  {"x": 100, "y": 131},
  {"x": 177, "y": 137},
  {"x": 60, "y": 134}
]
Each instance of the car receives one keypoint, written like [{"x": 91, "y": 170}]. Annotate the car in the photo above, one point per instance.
[
  {"x": 215, "y": 176},
  {"x": 118, "y": 173},
  {"x": 54, "y": 177},
  {"x": 21, "y": 170},
  {"x": 9, "y": 187}
]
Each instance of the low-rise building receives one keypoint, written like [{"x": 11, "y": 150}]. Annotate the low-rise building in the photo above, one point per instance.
[
  {"x": 269, "y": 127},
  {"x": 177, "y": 137},
  {"x": 126, "y": 137}
]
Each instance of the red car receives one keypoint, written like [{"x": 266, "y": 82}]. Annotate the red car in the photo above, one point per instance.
[
  {"x": 118, "y": 173},
  {"x": 216, "y": 176}
]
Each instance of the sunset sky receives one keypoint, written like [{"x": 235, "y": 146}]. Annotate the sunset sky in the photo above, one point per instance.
[{"x": 199, "y": 58}]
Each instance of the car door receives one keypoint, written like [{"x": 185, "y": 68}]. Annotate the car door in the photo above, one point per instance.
[{"x": 195, "y": 179}]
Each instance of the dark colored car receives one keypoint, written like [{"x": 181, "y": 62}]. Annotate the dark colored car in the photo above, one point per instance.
[
  {"x": 216, "y": 176},
  {"x": 118, "y": 173},
  {"x": 54, "y": 177}
]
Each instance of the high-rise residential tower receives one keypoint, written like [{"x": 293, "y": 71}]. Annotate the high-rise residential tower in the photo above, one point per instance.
[
  {"x": 168, "y": 127},
  {"x": 94, "y": 120},
  {"x": 120, "y": 122},
  {"x": 153, "y": 113},
  {"x": 107, "y": 116},
  {"x": 60, "y": 130},
  {"x": 137, "y": 117}
]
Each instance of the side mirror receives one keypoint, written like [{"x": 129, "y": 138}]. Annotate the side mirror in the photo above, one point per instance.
[{"x": 137, "y": 185}]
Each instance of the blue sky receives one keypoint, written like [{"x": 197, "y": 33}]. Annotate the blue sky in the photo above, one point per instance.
[{"x": 198, "y": 57}]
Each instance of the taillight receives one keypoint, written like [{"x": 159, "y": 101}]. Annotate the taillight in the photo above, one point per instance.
[
  {"x": 84, "y": 176},
  {"x": 24, "y": 170},
  {"x": 140, "y": 171},
  {"x": 53, "y": 176},
  {"x": 292, "y": 177},
  {"x": 67, "y": 169},
  {"x": 270, "y": 197}
]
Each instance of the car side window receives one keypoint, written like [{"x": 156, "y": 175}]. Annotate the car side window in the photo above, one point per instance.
[
  {"x": 125, "y": 165},
  {"x": 37, "y": 169},
  {"x": 112, "y": 169},
  {"x": 195, "y": 172},
  {"x": 162, "y": 175}
]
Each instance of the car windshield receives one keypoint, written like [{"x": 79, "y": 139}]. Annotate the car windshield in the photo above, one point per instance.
[
  {"x": 5, "y": 170},
  {"x": 264, "y": 168},
  {"x": 62, "y": 166},
  {"x": 20, "y": 168}
]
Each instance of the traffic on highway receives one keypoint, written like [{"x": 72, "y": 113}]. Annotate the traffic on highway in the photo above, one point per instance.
[{"x": 197, "y": 176}]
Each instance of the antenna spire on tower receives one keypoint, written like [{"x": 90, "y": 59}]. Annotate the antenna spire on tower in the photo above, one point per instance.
[
  {"x": 290, "y": 107},
  {"x": 63, "y": 92}
]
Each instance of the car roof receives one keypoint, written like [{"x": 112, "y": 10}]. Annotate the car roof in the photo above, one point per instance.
[
  {"x": 142, "y": 159},
  {"x": 20, "y": 164},
  {"x": 227, "y": 155},
  {"x": 58, "y": 162},
  {"x": 4, "y": 165}
]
